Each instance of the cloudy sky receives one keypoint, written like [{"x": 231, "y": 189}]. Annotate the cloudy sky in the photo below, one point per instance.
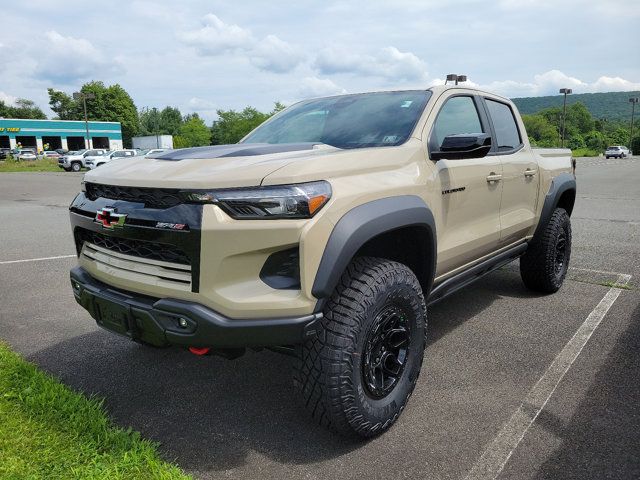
[{"x": 203, "y": 55}]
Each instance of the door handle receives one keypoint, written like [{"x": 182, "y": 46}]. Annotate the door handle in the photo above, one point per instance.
[
  {"x": 494, "y": 177},
  {"x": 529, "y": 172}
]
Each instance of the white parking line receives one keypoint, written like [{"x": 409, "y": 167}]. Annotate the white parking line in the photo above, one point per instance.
[
  {"x": 497, "y": 454},
  {"x": 6, "y": 262}
]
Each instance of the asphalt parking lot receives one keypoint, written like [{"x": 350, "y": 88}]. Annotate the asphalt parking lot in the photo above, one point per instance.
[{"x": 514, "y": 385}]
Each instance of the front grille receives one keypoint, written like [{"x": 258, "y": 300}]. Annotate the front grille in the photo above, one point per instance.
[
  {"x": 137, "y": 248},
  {"x": 151, "y": 197}
]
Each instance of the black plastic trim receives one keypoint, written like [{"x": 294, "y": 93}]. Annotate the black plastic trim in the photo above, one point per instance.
[
  {"x": 281, "y": 270},
  {"x": 155, "y": 321},
  {"x": 482, "y": 116},
  {"x": 559, "y": 185},
  {"x": 362, "y": 224},
  {"x": 494, "y": 148},
  {"x": 470, "y": 275},
  {"x": 139, "y": 226}
]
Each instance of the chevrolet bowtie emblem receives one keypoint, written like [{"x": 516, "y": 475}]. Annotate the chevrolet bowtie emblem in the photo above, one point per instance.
[{"x": 108, "y": 218}]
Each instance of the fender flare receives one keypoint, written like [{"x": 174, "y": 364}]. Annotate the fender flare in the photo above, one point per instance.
[
  {"x": 367, "y": 221},
  {"x": 559, "y": 185}
]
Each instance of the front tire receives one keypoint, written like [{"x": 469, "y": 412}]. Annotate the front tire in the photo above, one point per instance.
[
  {"x": 75, "y": 167},
  {"x": 544, "y": 266},
  {"x": 357, "y": 374}
]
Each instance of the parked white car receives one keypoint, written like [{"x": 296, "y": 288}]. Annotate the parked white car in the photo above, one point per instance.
[
  {"x": 616, "y": 151},
  {"x": 74, "y": 161},
  {"x": 27, "y": 154},
  {"x": 102, "y": 159}
]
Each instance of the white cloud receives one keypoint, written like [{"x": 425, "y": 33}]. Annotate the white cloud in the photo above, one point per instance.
[
  {"x": 549, "y": 83},
  {"x": 7, "y": 99},
  {"x": 275, "y": 55},
  {"x": 216, "y": 37},
  {"x": 613, "y": 84},
  {"x": 388, "y": 62},
  {"x": 64, "y": 59},
  {"x": 196, "y": 103},
  {"x": 318, "y": 87}
]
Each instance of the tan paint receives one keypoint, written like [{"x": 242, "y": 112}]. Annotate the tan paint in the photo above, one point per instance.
[{"x": 471, "y": 224}]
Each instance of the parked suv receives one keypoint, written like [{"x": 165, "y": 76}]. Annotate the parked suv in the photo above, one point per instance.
[
  {"x": 325, "y": 234},
  {"x": 98, "y": 160},
  {"x": 75, "y": 161},
  {"x": 616, "y": 151}
]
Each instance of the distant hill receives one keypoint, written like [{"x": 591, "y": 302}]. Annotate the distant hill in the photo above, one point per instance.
[{"x": 611, "y": 105}]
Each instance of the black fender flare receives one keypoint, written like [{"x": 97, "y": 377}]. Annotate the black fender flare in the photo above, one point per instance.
[
  {"x": 367, "y": 221},
  {"x": 559, "y": 185}
]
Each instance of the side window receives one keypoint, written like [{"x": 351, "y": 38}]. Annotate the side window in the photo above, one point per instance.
[
  {"x": 504, "y": 123},
  {"x": 457, "y": 115}
]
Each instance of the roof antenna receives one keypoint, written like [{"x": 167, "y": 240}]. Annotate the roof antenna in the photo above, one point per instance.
[{"x": 454, "y": 77}]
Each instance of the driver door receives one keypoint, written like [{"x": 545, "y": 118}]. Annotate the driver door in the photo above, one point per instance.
[{"x": 468, "y": 223}]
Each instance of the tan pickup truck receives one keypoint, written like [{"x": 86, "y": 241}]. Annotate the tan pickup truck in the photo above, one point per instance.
[{"x": 325, "y": 233}]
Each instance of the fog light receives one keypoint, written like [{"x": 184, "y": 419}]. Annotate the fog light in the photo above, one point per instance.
[{"x": 183, "y": 323}]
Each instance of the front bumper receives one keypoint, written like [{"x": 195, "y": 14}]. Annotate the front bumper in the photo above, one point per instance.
[{"x": 164, "y": 322}]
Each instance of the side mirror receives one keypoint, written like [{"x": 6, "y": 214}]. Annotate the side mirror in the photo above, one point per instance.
[{"x": 463, "y": 145}]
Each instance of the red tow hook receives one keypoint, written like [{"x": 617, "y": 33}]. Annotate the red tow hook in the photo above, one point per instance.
[{"x": 199, "y": 351}]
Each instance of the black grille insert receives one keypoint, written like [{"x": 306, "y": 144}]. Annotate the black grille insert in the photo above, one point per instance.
[
  {"x": 151, "y": 197},
  {"x": 136, "y": 248}
]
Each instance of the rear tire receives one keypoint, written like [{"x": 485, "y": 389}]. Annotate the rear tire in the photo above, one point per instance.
[
  {"x": 544, "y": 265},
  {"x": 374, "y": 325}
]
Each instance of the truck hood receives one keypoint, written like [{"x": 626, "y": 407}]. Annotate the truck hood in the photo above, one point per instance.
[{"x": 221, "y": 166}]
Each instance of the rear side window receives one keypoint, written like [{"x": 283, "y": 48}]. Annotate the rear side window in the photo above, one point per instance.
[
  {"x": 458, "y": 115},
  {"x": 504, "y": 123}
]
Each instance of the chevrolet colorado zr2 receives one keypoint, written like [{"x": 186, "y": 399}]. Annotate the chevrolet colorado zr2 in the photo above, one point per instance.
[{"x": 325, "y": 233}]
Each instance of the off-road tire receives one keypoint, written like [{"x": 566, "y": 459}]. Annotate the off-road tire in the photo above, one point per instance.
[
  {"x": 544, "y": 265},
  {"x": 330, "y": 371},
  {"x": 76, "y": 166}
]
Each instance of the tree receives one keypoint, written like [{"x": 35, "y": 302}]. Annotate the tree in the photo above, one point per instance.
[
  {"x": 595, "y": 140},
  {"x": 150, "y": 122},
  {"x": 63, "y": 105},
  {"x": 232, "y": 125},
  {"x": 111, "y": 104},
  {"x": 193, "y": 133},
  {"x": 170, "y": 120},
  {"x": 165, "y": 122},
  {"x": 23, "y": 108},
  {"x": 541, "y": 132}
]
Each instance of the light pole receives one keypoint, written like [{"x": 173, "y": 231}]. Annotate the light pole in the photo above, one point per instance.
[
  {"x": 633, "y": 102},
  {"x": 84, "y": 97},
  {"x": 565, "y": 91}
]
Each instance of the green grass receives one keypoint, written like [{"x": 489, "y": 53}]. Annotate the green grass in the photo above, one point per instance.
[
  {"x": 585, "y": 152},
  {"x": 48, "y": 431},
  {"x": 43, "y": 165}
]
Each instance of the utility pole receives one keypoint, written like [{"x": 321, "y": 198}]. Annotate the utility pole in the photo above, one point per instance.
[
  {"x": 565, "y": 91},
  {"x": 633, "y": 102},
  {"x": 84, "y": 97}
]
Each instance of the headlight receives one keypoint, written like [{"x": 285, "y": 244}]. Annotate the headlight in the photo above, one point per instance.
[{"x": 302, "y": 200}]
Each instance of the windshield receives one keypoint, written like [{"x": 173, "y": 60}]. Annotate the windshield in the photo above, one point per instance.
[{"x": 347, "y": 121}]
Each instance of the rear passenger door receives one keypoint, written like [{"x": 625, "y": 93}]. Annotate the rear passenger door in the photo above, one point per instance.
[
  {"x": 520, "y": 175},
  {"x": 469, "y": 218}
]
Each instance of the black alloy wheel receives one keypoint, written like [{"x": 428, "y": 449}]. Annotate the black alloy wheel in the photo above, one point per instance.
[{"x": 386, "y": 352}]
